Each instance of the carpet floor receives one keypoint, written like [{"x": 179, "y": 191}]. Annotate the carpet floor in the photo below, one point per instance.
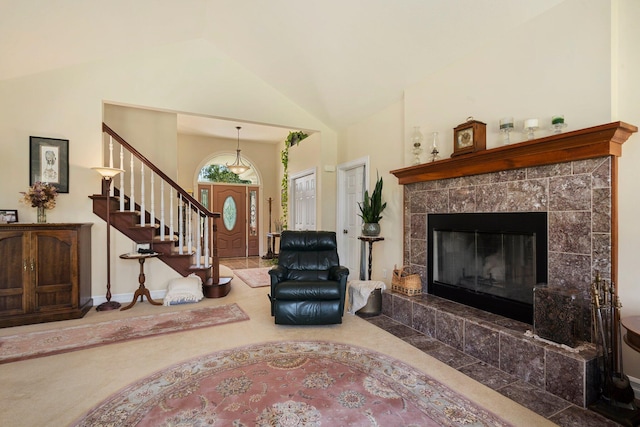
[
  {"x": 290, "y": 384},
  {"x": 58, "y": 390},
  {"x": 254, "y": 277},
  {"x": 45, "y": 343}
]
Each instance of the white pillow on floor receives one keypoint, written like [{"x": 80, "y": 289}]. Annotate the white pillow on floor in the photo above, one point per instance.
[{"x": 184, "y": 290}]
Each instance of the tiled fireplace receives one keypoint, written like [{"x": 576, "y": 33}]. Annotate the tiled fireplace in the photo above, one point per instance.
[{"x": 572, "y": 178}]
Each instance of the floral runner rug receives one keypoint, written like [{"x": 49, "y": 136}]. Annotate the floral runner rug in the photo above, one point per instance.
[
  {"x": 62, "y": 340},
  {"x": 254, "y": 277},
  {"x": 306, "y": 383}
]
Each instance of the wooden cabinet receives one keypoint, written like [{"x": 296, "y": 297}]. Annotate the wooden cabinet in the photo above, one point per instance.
[{"x": 45, "y": 272}]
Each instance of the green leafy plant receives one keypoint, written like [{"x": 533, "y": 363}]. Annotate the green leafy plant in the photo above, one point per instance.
[
  {"x": 371, "y": 207},
  {"x": 292, "y": 139}
]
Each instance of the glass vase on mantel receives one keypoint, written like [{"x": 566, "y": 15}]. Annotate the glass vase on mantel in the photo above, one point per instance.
[
  {"x": 416, "y": 140},
  {"x": 42, "y": 214}
]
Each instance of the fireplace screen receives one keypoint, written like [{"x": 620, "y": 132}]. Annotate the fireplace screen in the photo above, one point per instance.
[
  {"x": 491, "y": 261},
  {"x": 499, "y": 264}
]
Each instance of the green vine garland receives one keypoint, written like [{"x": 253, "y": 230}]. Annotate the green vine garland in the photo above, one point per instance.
[{"x": 293, "y": 138}]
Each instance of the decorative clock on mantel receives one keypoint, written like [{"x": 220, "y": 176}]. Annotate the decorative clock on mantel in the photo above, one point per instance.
[{"x": 469, "y": 137}]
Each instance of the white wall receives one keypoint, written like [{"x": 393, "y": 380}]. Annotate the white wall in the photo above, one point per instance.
[
  {"x": 153, "y": 133},
  {"x": 380, "y": 137},
  {"x": 68, "y": 103},
  {"x": 626, "y": 107},
  {"x": 540, "y": 69}
]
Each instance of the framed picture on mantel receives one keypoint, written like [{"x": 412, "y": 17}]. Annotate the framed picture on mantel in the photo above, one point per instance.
[{"x": 49, "y": 162}]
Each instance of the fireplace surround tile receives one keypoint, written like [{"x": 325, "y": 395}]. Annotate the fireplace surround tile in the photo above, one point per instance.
[
  {"x": 424, "y": 319},
  {"x": 602, "y": 255},
  {"x": 527, "y": 196},
  {"x": 402, "y": 311},
  {"x": 474, "y": 333},
  {"x": 570, "y": 231},
  {"x": 570, "y": 193},
  {"x": 418, "y": 251},
  {"x": 565, "y": 377},
  {"x": 482, "y": 343},
  {"x": 462, "y": 200},
  {"x": 492, "y": 197},
  {"x": 601, "y": 220},
  {"x": 418, "y": 226},
  {"x": 523, "y": 359},
  {"x": 546, "y": 171},
  {"x": 570, "y": 270},
  {"x": 450, "y": 329}
]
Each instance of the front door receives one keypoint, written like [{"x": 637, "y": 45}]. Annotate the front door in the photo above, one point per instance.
[{"x": 230, "y": 201}]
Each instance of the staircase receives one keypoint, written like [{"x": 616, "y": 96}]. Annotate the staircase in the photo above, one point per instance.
[{"x": 178, "y": 227}]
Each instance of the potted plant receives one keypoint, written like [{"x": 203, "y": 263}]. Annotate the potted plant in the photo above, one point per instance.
[{"x": 371, "y": 209}]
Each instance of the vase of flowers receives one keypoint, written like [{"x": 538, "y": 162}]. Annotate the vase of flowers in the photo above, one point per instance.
[{"x": 42, "y": 196}]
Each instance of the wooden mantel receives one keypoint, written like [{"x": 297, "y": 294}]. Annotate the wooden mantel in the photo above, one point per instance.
[{"x": 597, "y": 141}]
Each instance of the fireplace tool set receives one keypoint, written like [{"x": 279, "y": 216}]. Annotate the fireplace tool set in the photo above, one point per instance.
[{"x": 617, "y": 397}]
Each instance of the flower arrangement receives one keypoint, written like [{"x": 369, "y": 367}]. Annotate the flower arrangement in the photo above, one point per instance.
[{"x": 40, "y": 195}]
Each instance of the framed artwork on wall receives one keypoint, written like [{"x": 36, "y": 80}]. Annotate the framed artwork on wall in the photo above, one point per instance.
[
  {"x": 8, "y": 216},
  {"x": 49, "y": 162}
]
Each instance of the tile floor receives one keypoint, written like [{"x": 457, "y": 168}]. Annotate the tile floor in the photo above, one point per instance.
[{"x": 551, "y": 407}]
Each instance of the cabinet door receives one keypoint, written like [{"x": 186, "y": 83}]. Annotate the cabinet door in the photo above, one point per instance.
[
  {"x": 55, "y": 255},
  {"x": 14, "y": 274}
]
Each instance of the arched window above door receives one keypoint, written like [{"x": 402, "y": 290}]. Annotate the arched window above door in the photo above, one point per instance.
[{"x": 216, "y": 171}]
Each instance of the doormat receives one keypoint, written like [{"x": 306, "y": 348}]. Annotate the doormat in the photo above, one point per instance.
[{"x": 254, "y": 277}]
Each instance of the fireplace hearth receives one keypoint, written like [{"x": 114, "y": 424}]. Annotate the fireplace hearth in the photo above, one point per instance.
[{"x": 491, "y": 261}]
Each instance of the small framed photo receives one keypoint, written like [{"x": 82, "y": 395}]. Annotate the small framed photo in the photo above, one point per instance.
[
  {"x": 8, "y": 216},
  {"x": 49, "y": 162}
]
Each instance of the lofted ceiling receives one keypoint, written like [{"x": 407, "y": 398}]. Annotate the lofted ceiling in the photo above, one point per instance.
[{"x": 340, "y": 60}]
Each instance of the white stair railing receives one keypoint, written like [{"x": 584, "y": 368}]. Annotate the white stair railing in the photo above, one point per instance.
[{"x": 193, "y": 223}]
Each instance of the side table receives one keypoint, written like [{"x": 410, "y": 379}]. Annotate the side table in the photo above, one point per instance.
[
  {"x": 371, "y": 241},
  {"x": 142, "y": 291},
  {"x": 271, "y": 250}
]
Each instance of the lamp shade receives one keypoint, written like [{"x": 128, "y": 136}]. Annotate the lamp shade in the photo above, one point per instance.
[
  {"x": 238, "y": 166},
  {"x": 107, "y": 173}
]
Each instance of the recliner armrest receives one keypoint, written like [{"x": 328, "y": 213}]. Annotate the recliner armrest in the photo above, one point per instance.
[
  {"x": 278, "y": 274},
  {"x": 338, "y": 273}
]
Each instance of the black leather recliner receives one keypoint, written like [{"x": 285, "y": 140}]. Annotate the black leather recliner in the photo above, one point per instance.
[{"x": 308, "y": 286}]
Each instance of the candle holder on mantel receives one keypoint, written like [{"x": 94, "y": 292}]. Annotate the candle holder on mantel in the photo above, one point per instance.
[
  {"x": 416, "y": 139},
  {"x": 557, "y": 124},
  {"x": 530, "y": 126},
  {"x": 434, "y": 147},
  {"x": 506, "y": 126}
]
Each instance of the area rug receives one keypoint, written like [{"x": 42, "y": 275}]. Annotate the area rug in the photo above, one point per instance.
[
  {"x": 254, "y": 277},
  {"x": 290, "y": 384},
  {"x": 45, "y": 343}
]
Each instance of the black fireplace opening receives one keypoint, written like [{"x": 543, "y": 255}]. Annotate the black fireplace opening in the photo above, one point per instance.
[{"x": 491, "y": 261}]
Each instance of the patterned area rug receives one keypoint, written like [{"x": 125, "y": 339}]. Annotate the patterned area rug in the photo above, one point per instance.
[
  {"x": 254, "y": 277},
  {"x": 290, "y": 384},
  {"x": 45, "y": 343}
]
